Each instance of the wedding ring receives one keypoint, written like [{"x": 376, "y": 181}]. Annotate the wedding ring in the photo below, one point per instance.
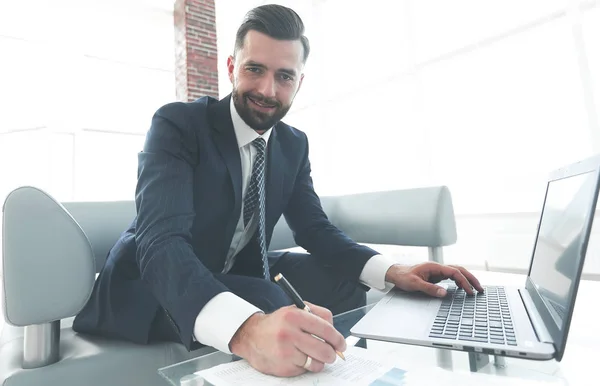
[{"x": 307, "y": 363}]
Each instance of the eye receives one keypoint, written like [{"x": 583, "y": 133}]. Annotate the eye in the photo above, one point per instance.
[
  {"x": 286, "y": 77},
  {"x": 256, "y": 70}
]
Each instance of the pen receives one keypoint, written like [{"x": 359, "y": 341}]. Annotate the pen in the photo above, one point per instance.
[{"x": 295, "y": 296}]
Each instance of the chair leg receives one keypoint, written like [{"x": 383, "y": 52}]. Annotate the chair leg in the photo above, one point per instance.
[{"x": 41, "y": 345}]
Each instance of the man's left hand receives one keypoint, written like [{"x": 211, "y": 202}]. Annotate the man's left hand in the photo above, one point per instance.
[{"x": 422, "y": 277}]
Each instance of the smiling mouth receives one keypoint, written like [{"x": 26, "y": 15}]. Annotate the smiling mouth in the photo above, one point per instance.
[{"x": 261, "y": 104}]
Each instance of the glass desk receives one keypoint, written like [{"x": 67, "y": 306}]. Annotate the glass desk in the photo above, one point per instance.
[{"x": 182, "y": 374}]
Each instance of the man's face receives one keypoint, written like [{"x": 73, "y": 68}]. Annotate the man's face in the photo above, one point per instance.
[{"x": 266, "y": 75}]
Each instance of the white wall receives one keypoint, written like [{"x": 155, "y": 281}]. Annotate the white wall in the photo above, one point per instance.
[
  {"x": 80, "y": 82},
  {"x": 485, "y": 97}
]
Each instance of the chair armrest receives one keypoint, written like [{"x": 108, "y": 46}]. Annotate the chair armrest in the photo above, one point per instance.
[{"x": 48, "y": 263}]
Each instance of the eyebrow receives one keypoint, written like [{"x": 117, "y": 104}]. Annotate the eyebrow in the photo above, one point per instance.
[{"x": 287, "y": 71}]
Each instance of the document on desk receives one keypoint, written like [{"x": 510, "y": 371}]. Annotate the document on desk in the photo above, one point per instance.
[{"x": 361, "y": 368}]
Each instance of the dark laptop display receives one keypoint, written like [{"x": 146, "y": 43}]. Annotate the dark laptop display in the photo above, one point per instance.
[{"x": 560, "y": 245}]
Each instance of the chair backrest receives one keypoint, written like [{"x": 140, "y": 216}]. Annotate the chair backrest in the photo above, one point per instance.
[
  {"x": 103, "y": 223},
  {"x": 412, "y": 217},
  {"x": 422, "y": 217},
  {"x": 59, "y": 247}
]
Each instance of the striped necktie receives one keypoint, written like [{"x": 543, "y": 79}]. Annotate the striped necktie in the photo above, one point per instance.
[{"x": 254, "y": 201}]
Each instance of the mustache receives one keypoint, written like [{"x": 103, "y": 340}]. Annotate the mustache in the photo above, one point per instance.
[{"x": 261, "y": 99}]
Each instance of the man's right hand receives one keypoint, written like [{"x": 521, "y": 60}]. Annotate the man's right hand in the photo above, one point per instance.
[{"x": 279, "y": 343}]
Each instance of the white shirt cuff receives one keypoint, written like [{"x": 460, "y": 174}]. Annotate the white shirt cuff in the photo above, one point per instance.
[
  {"x": 373, "y": 273},
  {"x": 220, "y": 319}
]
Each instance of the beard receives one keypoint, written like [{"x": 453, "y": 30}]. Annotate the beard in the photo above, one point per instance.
[{"x": 256, "y": 119}]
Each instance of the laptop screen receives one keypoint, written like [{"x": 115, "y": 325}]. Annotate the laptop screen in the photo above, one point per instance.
[{"x": 557, "y": 256}]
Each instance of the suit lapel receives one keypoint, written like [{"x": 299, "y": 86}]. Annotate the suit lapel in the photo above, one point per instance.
[
  {"x": 226, "y": 143},
  {"x": 227, "y": 146}
]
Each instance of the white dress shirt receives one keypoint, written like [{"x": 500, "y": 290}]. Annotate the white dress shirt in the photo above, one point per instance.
[{"x": 221, "y": 317}]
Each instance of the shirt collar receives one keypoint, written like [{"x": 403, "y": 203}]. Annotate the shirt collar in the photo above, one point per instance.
[{"x": 244, "y": 133}]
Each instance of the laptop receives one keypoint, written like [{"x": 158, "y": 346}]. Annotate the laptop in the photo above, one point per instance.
[{"x": 528, "y": 322}]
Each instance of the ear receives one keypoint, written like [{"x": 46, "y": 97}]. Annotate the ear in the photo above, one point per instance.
[
  {"x": 300, "y": 84},
  {"x": 230, "y": 67}
]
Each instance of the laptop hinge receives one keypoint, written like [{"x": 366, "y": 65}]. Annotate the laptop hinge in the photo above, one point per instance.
[{"x": 536, "y": 319}]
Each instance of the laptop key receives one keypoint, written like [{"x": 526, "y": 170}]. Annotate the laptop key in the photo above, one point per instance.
[
  {"x": 436, "y": 336},
  {"x": 477, "y": 339}
]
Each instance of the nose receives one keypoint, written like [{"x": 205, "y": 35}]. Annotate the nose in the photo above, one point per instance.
[{"x": 267, "y": 87}]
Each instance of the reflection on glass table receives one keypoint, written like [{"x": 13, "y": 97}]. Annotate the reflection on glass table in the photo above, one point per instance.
[{"x": 183, "y": 374}]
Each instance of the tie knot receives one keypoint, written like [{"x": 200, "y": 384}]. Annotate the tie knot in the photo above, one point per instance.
[{"x": 260, "y": 144}]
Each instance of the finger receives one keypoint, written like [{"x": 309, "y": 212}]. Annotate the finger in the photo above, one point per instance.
[
  {"x": 456, "y": 275},
  {"x": 315, "y": 347},
  {"x": 288, "y": 362},
  {"x": 314, "y": 365},
  {"x": 313, "y": 324},
  {"x": 321, "y": 312},
  {"x": 288, "y": 371},
  {"x": 432, "y": 289},
  {"x": 471, "y": 278},
  {"x": 299, "y": 358}
]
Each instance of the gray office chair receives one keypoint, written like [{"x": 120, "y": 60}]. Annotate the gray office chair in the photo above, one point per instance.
[{"x": 51, "y": 253}]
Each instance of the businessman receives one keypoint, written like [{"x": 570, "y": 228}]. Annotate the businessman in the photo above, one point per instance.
[{"x": 214, "y": 177}]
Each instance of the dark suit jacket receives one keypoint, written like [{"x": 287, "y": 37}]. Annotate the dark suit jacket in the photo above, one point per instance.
[{"x": 188, "y": 200}]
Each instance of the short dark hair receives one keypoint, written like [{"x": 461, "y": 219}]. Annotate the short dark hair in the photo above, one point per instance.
[{"x": 276, "y": 21}]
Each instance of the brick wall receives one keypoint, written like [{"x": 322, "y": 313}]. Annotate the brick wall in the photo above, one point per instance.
[{"x": 195, "y": 49}]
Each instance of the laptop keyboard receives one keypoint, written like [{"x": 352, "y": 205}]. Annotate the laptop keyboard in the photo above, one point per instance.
[{"x": 483, "y": 318}]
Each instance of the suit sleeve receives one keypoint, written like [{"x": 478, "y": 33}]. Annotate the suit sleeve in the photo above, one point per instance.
[
  {"x": 314, "y": 232},
  {"x": 165, "y": 214}
]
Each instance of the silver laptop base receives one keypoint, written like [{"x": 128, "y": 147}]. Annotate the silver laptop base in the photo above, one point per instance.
[{"x": 477, "y": 361}]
